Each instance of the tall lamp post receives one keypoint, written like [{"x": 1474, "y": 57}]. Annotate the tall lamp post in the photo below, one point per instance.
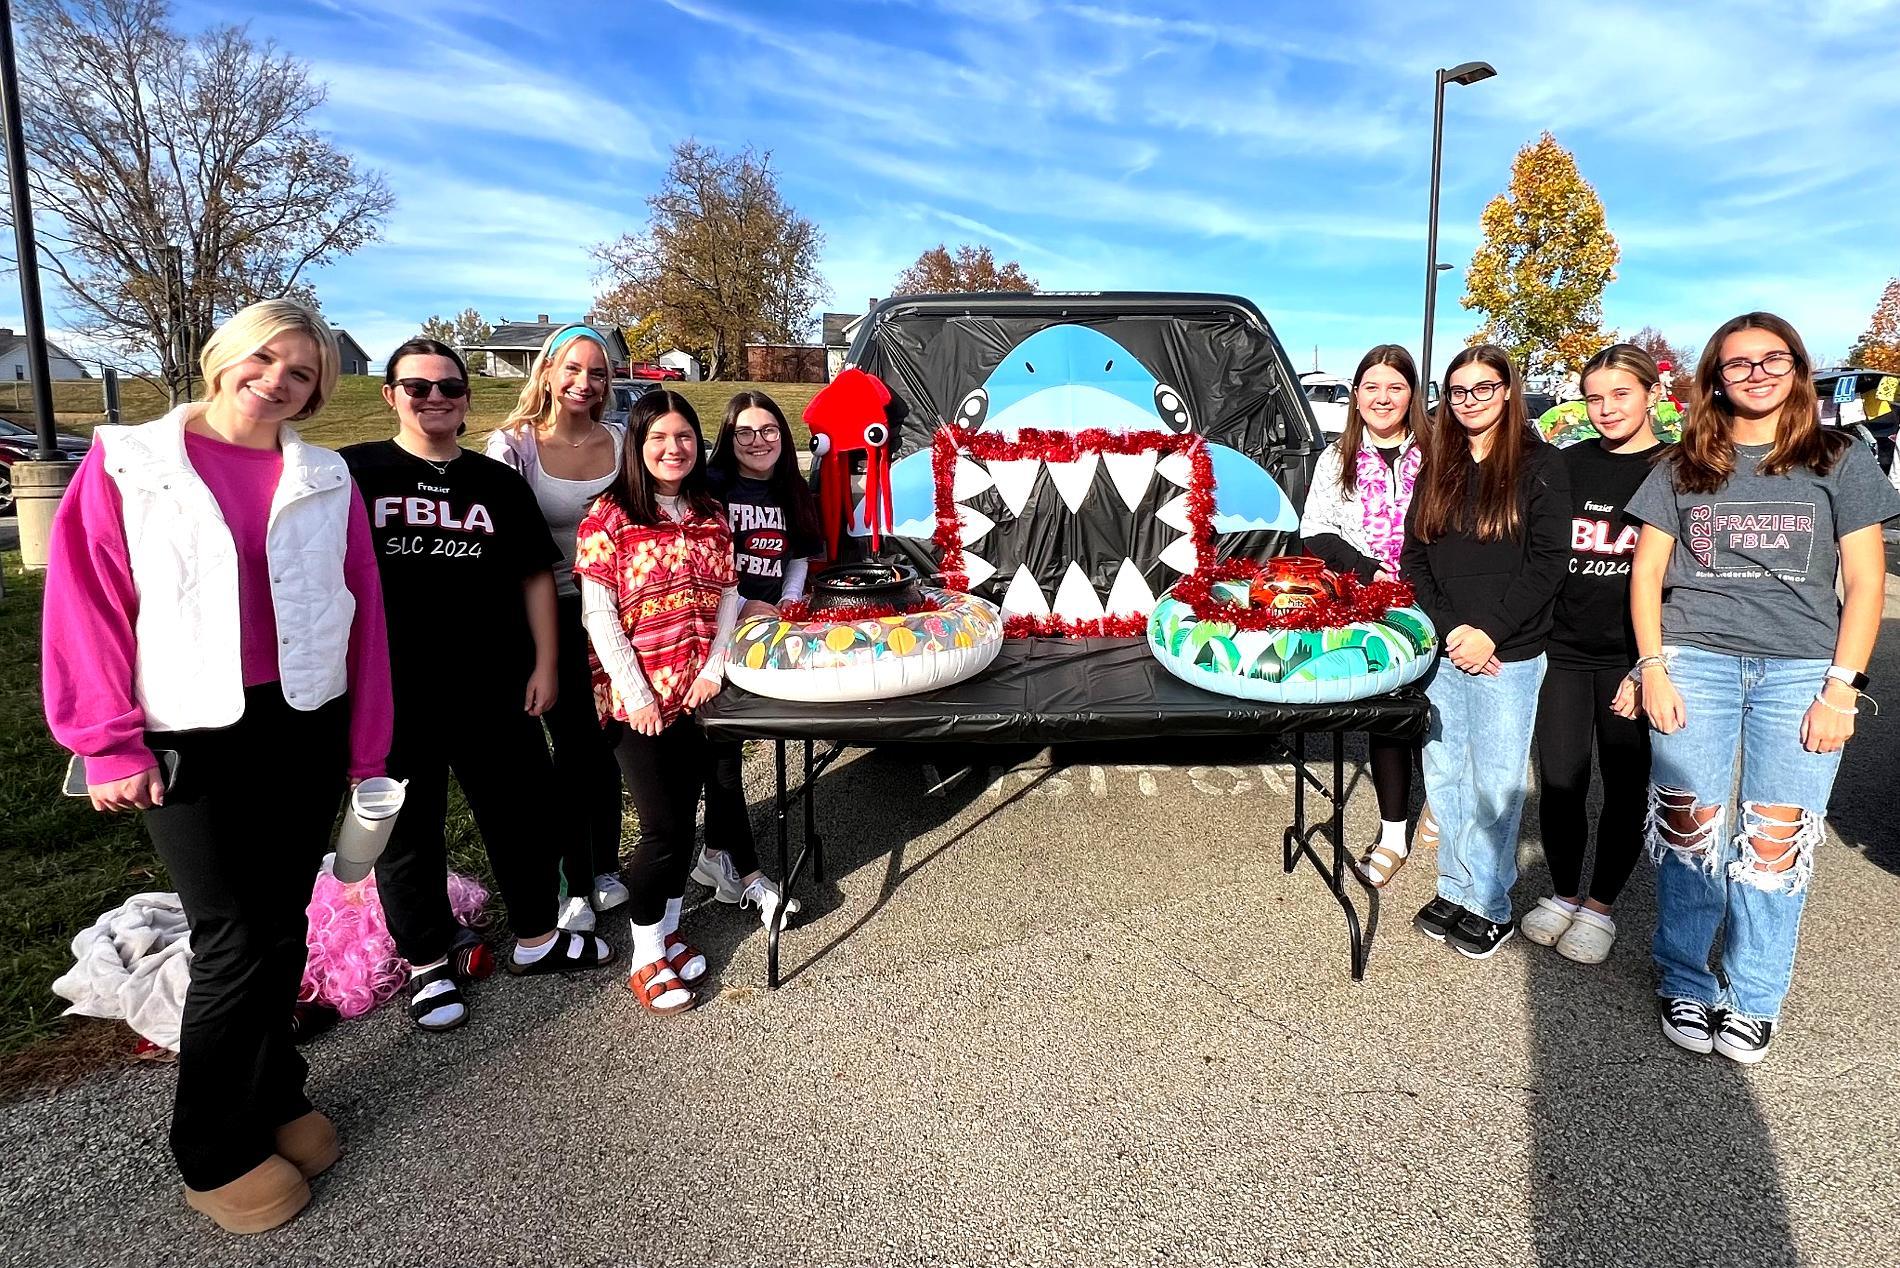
[{"x": 1463, "y": 73}]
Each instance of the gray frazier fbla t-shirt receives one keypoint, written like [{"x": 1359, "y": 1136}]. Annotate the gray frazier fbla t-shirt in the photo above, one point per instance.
[{"x": 1753, "y": 570}]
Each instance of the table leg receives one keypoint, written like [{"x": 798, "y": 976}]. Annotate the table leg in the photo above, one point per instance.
[
  {"x": 1299, "y": 841},
  {"x": 813, "y": 842}
]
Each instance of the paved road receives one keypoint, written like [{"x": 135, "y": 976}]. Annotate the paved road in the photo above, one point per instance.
[{"x": 1065, "y": 1009}]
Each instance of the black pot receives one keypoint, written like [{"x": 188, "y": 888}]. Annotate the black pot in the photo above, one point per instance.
[{"x": 860, "y": 585}]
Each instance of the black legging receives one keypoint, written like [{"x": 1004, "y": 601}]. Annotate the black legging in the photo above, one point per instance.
[
  {"x": 1573, "y": 707},
  {"x": 242, "y": 832},
  {"x": 501, "y": 762},
  {"x": 1392, "y": 776},
  {"x": 728, "y": 820},
  {"x": 665, "y": 773},
  {"x": 587, "y": 781}
]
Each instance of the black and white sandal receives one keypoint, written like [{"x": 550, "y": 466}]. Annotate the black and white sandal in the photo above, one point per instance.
[
  {"x": 571, "y": 953},
  {"x": 435, "y": 1000}
]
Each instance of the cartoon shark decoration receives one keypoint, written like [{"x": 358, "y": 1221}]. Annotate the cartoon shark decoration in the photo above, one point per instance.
[{"x": 1071, "y": 378}]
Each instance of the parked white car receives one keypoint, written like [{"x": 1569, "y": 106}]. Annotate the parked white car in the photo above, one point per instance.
[{"x": 1328, "y": 395}]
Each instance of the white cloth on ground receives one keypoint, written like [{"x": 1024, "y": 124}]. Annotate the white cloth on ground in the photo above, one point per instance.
[{"x": 133, "y": 964}]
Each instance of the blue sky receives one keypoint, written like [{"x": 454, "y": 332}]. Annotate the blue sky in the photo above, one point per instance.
[{"x": 1746, "y": 153}]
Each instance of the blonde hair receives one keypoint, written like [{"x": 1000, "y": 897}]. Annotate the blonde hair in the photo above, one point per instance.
[
  {"x": 251, "y": 328},
  {"x": 537, "y": 398}
]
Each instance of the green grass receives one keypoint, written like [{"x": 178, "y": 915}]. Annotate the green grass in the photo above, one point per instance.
[
  {"x": 357, "y": 411},
  {"x": 61, "y": 862}
]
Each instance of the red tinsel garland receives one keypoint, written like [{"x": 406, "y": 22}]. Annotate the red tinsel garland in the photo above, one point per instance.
[
  {"x": 1355, "y": 601},
  {"x": 799, "y": 611},
  {"x": 1063, "y": 627}
]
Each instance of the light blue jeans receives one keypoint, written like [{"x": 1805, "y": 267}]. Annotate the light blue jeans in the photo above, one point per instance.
[
  {"x": 1750, "y": 707},
  {"x": 1477, "y": 773}
]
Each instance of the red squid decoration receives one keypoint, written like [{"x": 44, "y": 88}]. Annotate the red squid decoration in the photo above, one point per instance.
[{"x": 852, "y": 413}]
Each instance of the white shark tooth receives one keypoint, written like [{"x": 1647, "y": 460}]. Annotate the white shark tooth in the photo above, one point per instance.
[
  {"x": 1180, "y": 555},
  {"x": 1130, "y": 595},
  {"x": 1024, "y": 597},
  {"x": 1131, "y": 473},
  {"x": 1015, "y": 479},
  {"x": 1072, "y": 479},
  {"x": 972, "y": 524},
  {"x": 1076, "y": 598},
  {"x": 1175, "y": 514},
  {"x": 977, "y": 570},
  {"x": 967, "y": 480},
  {"x": 1176, "y": 468}
]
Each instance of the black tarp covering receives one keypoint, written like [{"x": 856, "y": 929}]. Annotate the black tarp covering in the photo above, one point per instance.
[
  {"x": 1052, "y": 691},
  {"x": 1216, "y": 351}
]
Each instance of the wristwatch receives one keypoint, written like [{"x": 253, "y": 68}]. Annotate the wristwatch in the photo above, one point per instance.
[{"x": 1853, "y": 678}]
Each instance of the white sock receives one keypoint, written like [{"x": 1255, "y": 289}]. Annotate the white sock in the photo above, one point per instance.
[
  {"x": 525, "y": 954},
  {"x": 447, "y": 1012},
  {"x": 1566, "y": 904},
  {"x": 670, "y": 922},
  {"x": 1392, "y": 836},
  {"x": 649, "y": 944}
]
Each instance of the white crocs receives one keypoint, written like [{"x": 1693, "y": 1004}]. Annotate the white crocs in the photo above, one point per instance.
[
  {"x": 1545, "y": 923},
  {"x": 1589, "y": 938}
]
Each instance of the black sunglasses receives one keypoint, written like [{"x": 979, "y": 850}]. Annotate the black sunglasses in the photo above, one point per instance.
[{"x": 451, "y": 389}]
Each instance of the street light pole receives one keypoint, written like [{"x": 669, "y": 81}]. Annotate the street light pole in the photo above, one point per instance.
[
  {"x": 26, "y": 249},
  {"x": 1463, "y": 73}
]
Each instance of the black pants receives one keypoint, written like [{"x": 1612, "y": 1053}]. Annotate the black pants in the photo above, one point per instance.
[
  {"x": 1574, "y": 707},
  {"x": 501, "y": 762},
  {"x": 242, "y": 831},
  {"x": 728, "y": 820},
  {"x": 665, "y": 773},
  {"x": 1392, "y": 775},
  {"x": 586, "y": 780}
]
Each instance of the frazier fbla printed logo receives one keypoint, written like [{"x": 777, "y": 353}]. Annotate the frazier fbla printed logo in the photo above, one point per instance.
[{"x": 1753, "y": 538}]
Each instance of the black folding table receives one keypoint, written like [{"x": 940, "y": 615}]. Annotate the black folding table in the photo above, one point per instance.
[{"x": 1055, "y": 691}]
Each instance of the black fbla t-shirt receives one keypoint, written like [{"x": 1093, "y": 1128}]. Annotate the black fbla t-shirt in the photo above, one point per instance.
[
  {"x": 1591, "y": 627},
  {"x": 454, "y": 541},
  {"x": 764, "y": 538}
]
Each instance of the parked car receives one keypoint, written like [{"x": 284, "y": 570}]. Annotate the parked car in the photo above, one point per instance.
[
  {"x": 20, "y": 434},
  {"x": 656, "y": 373},
  {"x": 1871, "y": 408},
  {"x": 626, "y": 392},
  {"x": 1328, "y": 395},
  {"x": 17, "y": 444}
]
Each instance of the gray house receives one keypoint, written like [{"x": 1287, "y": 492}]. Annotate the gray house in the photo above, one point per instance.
[
  {"x": 353, "y": 359},
  {"x": 512, "y": 346}
]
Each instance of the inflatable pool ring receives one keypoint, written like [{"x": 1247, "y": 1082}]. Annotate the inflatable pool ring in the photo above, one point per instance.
[
  {"x": 870, "y": 632},
  {"x": 1249, "y": 631}
]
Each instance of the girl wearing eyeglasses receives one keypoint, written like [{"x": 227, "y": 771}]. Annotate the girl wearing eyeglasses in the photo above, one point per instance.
[
  {"x": 1591, "y": 649},
  {"x": 775, "y": 535},
  {"x": 1746, "y": 651},
  {"x": 558, "y": 438},
  {"x": 1355, "y": 521},
  {"x": 1486, "y": 542},
  {"x": 464, "y": 552}
]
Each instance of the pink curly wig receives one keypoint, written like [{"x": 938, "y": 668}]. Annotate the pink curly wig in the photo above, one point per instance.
[{"x": 353, "y": 965}]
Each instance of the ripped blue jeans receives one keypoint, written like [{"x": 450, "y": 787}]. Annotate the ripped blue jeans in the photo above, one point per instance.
[{"x": 1715, "y": 874}]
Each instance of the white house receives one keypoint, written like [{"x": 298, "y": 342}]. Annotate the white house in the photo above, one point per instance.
[
  {"x": 685, "y": 362},
  {"x": 512, "y": 346},
  {"x": 13, "y": 365}
]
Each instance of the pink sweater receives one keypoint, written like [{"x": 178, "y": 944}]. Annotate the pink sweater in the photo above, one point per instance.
[{"x": 91, "y": 604}]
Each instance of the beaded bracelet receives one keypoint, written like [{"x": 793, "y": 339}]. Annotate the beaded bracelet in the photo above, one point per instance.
[
  {"x": 1826, "y": 703},
  {"x": 1644, "y": 662}
]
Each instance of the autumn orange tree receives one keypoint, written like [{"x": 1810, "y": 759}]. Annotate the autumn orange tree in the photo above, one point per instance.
[
  {"x": 1537, "y": 277},
  {"x": 1879, "y": 347},
  {"x": 971, "y": 269}
]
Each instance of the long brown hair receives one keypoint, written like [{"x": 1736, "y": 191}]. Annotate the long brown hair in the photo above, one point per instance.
[
  {"x": 1389, "y": 354},
  {"x": 1439, "y": 498},
  {"x": 633, "y": 486},
  {"x": 1706, "y": 457}
]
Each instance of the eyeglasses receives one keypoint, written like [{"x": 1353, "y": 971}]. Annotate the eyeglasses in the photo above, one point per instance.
[
  {"x": 754, "y": 435},
  {"x": 1741, "y": 369},
  {"x": 451, "y": 389},
  {"x": 1476, "y": 392}
]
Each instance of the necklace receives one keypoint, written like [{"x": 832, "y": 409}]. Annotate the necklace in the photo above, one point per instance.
[
  {"x": 441, "y": 468},
  {"x": 575, "y": 444}
]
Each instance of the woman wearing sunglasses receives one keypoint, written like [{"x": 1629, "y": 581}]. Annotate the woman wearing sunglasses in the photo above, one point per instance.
[
  {"x": 557, "y": 439},
  {"x": 464, "y": 555},
  {"x": 1746, "y": 651},
  {"x": 775, "y": 535},
  {"x": 1487, "y": 539}
]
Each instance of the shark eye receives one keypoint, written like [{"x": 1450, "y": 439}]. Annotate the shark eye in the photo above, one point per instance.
[
  {"x": 1172, "y": 409},
  {"x": 821, "y": 445},
  {"x": 876, "y": 434},
  {"x": 974, "y": 409}
]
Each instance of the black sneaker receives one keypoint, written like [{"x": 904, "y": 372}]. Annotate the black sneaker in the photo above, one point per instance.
[
  {"x": 1744, "y": 1039},
  {"x": 1477, "y": 937},
  {"x": 1685, "y": 1023},
  {"x": 1436, "y": 918}
]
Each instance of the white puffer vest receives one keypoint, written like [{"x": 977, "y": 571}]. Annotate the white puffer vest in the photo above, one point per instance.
[{"x": 190, "y": 671}]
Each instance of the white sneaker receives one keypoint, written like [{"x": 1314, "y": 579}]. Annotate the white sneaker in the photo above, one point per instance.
[
  {"x": 766, "y": 895},
  {"x": 715, "y": 868},
  {"x": 576, "y": 916},
  {"x": 609, "y": 892}
]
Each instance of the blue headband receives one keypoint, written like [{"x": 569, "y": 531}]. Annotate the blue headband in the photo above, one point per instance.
[{"x": 581, "y": 332}]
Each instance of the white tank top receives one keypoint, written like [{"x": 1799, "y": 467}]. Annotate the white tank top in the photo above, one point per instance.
[{"x": 563, "y": 504}]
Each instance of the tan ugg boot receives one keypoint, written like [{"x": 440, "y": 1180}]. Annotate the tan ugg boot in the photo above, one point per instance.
[
  {"x": 262, "y": 1198},
  {"x": 310, "y": 1142}
]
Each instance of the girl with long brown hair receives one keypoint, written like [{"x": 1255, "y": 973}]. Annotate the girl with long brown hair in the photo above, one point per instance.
[
  {"x": 1746, "y": 651},
  {"x": 1355, "y": 521},
  {"x": 1485, "y": 546}
]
